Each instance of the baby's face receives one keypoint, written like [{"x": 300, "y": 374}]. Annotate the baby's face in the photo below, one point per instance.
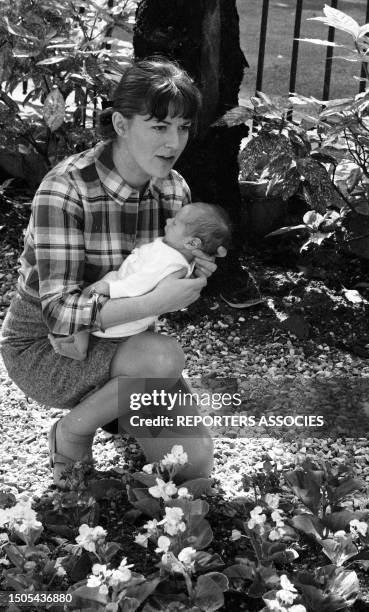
[{"x": 176, "y": 230}]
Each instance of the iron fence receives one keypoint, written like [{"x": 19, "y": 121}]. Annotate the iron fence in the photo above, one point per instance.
[{"x": 295, "y": 49}]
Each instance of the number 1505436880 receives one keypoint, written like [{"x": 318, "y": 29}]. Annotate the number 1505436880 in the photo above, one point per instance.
[{"x": 37, "y": 598}]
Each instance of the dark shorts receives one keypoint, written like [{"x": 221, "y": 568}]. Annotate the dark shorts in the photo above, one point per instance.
[{"x": 38, "y": 371}]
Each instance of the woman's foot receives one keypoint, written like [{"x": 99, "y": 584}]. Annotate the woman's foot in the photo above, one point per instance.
[{"x": 66, "y": 448}]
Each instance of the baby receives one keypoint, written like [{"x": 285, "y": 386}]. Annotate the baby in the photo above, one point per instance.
[{"x": 195, "y": 226}]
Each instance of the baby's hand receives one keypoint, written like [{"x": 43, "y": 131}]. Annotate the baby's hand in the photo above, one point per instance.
[
  {"x": 205, "y": 264},
  {"x": 101, "y": 287}
]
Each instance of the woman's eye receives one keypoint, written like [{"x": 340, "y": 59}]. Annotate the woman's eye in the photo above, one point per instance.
[
  {"x": 185, "y": 128},
  {"x": 159, "y": 128}
]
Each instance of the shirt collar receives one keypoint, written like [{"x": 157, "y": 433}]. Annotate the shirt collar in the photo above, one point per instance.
[{"x": 111, "y": 180}]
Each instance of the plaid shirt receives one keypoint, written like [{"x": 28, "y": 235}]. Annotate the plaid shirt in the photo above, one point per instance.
[{"x": 85, "y": 220}]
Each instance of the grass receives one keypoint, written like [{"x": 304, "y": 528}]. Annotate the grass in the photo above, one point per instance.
[{"x": 310, "y": 70}]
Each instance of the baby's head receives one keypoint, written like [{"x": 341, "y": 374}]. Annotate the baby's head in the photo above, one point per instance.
[{"x": 198, "y": 226}]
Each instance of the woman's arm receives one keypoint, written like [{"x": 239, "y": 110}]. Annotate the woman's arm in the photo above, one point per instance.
[
  {"x": 170, "y": 295},
  {"x": 55, "y": 249}
]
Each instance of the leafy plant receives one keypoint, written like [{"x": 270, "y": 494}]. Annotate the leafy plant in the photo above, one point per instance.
[
  {"x": 318, "y": 227},
  {"x": 330, "y": 588},
  {"x": 284, "y": 155},
  {"x": 68, "y": 56}
]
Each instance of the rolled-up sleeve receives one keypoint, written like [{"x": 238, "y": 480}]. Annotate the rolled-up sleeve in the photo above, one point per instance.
[{"x": 59, "y": 250}]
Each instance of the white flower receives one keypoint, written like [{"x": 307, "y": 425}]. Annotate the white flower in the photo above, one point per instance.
[
  {"x": 99, "y": 533},
  {"x": 4, "y": 561},
  {"x": 286, "y": 597},
  {"x": 141, "y": 539},
  {"x": 163, "y": 544},
  {"x": 163, "y": 489},
  {"x": 297, "y": 608},
  {"x": 236, "y": 535},
  {"x": 277, "y": 518},
  {"x": 340, "y": 534},
  {"x": 176, "y": 457},
  {"x": 186, "y": 556},
  {"x": 172, "y": 521},
  {"x": 288, "y": 592},
  {"x": 103, "y": 590},
  {"x": 151, "y": 527},
  {"x": 21, "y": 517},
  {"x": 286, "y": 584},
  {"x": 26, "y": 527},
  {"x": 175, "y": 528},
  {"x": 183, "y": 492},
  {"x": 123, "y": 565},
  {"x": 172, "y": 563},
  {"x": 60, "y": 571},
  {"x": 98, "y": 570},
  {"x": 89, "y": 536},
  {"x": 257, "y": 518},
  {"x": 272, "y": 500},
  {"x": 93, "y": 581},
  {"x": 274, "y": 535},
  {"x": 358, "y": 527},
  {"x": 148, "y": 468},
  {"x": 122, "y": 574}
]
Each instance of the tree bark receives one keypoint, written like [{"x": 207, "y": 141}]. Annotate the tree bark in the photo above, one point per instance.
[{"x": 203, "y": 36}]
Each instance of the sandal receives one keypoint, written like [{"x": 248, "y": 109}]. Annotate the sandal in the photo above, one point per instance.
[{"x": 57, "y": 459}]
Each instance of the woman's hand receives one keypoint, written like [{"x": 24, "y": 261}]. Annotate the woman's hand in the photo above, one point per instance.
[
  {"x": 205, "y": 264},
  {"x": 175, "y": 292}
]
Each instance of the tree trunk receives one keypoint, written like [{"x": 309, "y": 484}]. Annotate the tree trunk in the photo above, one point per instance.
[{"x": 203, "y": 36}]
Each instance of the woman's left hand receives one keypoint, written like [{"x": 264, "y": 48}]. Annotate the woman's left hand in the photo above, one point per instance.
[{"x": 205, "y": 264}]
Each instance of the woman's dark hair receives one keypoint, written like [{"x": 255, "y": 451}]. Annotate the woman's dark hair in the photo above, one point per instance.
[{"x": 155, "y": 87}]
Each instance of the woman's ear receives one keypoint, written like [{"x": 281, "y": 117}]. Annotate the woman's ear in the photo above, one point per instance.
[
  {"x": 119, "y": 123},
  {"x": 191, "y": 243}
]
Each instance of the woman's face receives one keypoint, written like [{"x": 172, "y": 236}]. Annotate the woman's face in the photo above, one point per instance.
[{"x": 148, "y": 147}]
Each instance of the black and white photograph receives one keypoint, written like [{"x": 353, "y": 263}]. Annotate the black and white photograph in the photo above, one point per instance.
[{"x": 184, "y": 303}]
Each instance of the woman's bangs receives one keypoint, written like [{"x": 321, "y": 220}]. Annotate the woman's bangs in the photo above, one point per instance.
[{"x": 173, "y": 102}]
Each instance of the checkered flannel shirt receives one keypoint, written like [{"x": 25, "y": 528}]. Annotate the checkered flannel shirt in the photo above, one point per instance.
[{"x": 85, "y": 220}]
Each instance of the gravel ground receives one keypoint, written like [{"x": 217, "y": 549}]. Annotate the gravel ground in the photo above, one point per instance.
[{"x": 273, "y": 368}]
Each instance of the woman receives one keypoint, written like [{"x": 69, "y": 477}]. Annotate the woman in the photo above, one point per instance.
[{"x": 89, "y": 212}]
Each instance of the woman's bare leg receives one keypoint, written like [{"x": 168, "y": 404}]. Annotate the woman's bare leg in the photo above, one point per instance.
[{"x": 140, "y": 357}]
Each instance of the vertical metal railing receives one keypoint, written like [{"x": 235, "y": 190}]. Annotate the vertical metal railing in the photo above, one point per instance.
[
  {"x": 262, "y": 41},
  {"x": 295, "y": 50},
  {"x": 295, "y": 46},
  {"x": 363, "y": 74},
  {"x": 328, "y": 59}
]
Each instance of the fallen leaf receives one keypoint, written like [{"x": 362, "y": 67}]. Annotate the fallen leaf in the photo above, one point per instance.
[{"x": 352, "y": 296}]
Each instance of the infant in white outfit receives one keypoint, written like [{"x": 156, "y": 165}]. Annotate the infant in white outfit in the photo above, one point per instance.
[{"x": 195, "y": 226}]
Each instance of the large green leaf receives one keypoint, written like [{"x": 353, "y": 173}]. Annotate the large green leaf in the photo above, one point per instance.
[
  {"x": 208, "y": 595},
  {"x": 349, "y": 485},
  {"x": 199, "y": 535},
  {"x": 306, "y": 485},
  {"x": 54, "y": 110},
  {"x": 308, "y": 524},
  {"x": 318, "y": 188},
  {"x": 339, "y": 20},
  {"x": 235, "y": 116},
  {"x": 339, "y": 550}
]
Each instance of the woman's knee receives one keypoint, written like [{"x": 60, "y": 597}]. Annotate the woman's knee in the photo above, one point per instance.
[
  {"x": 149, "y": 356},
  {"x": 168, "y": 360}
]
